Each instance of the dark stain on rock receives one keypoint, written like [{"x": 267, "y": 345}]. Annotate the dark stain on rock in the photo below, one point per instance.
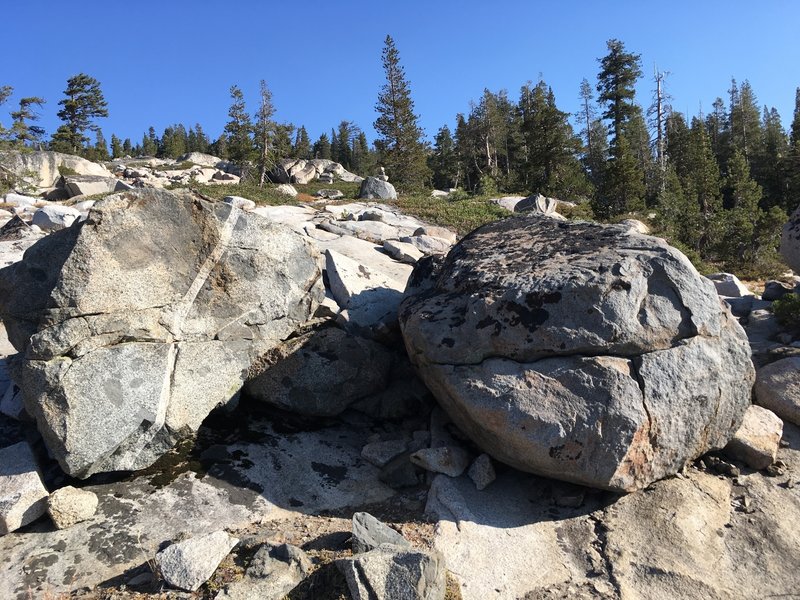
[
  {"x": 572, "y": 450},
  {"x": 449, "y": 342},
  {"x": 330, "y": 473},
  {"x": 294, "y": 502}
]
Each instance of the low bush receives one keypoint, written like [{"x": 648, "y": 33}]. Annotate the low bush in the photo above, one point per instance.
[{"x": 787, "y": 311}]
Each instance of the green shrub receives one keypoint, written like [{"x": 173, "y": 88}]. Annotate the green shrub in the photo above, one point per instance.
[
  {"x": 66, "y": 171},
  {"x": 787, "y": 311}
]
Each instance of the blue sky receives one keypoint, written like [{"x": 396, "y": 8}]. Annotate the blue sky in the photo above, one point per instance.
[{"x": 173, "y": 61}]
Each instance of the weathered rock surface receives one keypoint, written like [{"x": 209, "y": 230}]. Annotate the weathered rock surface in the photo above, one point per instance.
[
  {"x": 264, "y": 476},
  {"x": 369, "y": 533},
  {"x": 138, "y": 323},
  {"x": 728, "y": 284},
  {"x": 69, "y": 505},
  {"x": 187, "y": 565},
  {"x": 578, "y": 351},
  {"x": 778, "y": 388},
  {"x": 389, "y": 573},
  {"x": 272, "y": 573},
  {"x": 90, "y": 185},
  {"x": 481, "y": 471},
  {"x": 369, "y": 298},
  {"x": 320, "y": 373},
  {"x": 373, "y": 188},
  {"x": 757, "y": 441},
  {"x": 23, "y": 497},
  {"x": 54, "y": 217},
  {"x": 41, "y": 169},
  {"x": 450, "y": 460}
]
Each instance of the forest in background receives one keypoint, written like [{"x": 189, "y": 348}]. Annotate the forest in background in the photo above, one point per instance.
[{"x": 717, "y": 185}]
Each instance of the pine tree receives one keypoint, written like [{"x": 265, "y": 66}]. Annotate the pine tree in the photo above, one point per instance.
[
  {"x": 116, "y": 147},
  {"x": 400, "y": 146},
  {"x": 150, "y": 143},
  {"x": 5, "y": 94},
  {"x": 792, "y": 163},
  {"x": 744, "y": 121},
  {"x": 302, "y": 145},
  {"x": 127, "y": 148},
  {"x": 749, "y": 234},
  {"x": 346, "y": 134},
  {"x": 23, "y": 132},
  {"x": 768, "y": 168},
  {"x": 623, "y": 187},
  {"x": 84, "y": 102},
  {"x": 335, "y": 152},
  {"x": 238, "y": 129},
  {"x": 283, "y": 139},
  {"x": 363, "y": 157},
  {"x": 702, "y": 185},
  {"x": 443, "y": 161},
  {"x": 264, "y": 134},
  {"x": 552, "y": 147},
  {"x": 322, "y": 147}
]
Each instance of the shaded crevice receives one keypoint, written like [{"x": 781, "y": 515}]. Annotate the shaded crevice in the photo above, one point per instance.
[{"x": 600, "y": 530}]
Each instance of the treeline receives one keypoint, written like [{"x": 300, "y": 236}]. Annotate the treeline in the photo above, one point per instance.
[{"x": 720, "y": 185}]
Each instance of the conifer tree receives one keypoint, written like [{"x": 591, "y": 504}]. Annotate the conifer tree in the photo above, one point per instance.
[
  {"x": 623, "y": 187},
  {"x": 116, "y": 147},
  {"x": 24, "y": 133},
  {"x": 127, "y": 147},
  {"x": 302, "y": 145},
  {"x": 5, "y": 94},
  {"x": 792, "y": 162},
  {"x": 83, "y": 104},
  {"x": 443, "y": 161},
  {"x": 552, "y": 147},
  {"x": 334, "y": 146},
  {"x": 150, "y": 143},
  {"x": 264, "y": 134},
  {"x": 363, "y": 157},
  {"x": 400, "y": 146},
  {"x": 238, "y": 130},
  {"x": 322, "y": 147}
]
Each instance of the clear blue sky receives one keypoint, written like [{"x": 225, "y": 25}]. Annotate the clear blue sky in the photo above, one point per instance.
[{"x": 173, "y": 61}]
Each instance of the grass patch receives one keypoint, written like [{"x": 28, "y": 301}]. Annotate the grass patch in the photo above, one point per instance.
[
  {"x": 350, "y": 190},
  {"x": 267, "y": 195},
  {"x": 187, "y": 164},
  {"x": 462, "y": 215},
  {"x": 66, "y": 171}
]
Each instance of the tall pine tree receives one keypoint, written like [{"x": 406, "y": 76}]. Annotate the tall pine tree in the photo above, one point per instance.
[
  {"x": 400, "y": 146},
  {"x": 83, "y": 104}
]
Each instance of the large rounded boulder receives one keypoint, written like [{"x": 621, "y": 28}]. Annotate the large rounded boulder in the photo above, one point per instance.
[
  {"x": 579, "y": 351},
  {"x": 133, "y": 325}
]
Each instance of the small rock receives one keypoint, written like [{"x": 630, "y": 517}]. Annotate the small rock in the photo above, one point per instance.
[
  {"x": 12, "y": 405},
  {"x": 286, "y": 190},
  {"x": 757, "y": 440},
  {"x": 402, "y": 251},
  {"x": 23, "y": 497},
  {"x": 777, "y": 469},
  {"x": 369, "y": 533},
  {"x": 481, "y": 471},
  {"x": 778, "y": 388},
  {"x": 329, "y": 194},
  {"x": 239, "y": 202},
  {"x": 773, "y": 290},
  {"x": 272, "y": 573},
  {"x": 387, "y": 573},
  {"x": 68, "y": 506},
  {"x": 187, "y": 565},
  {"x": 54, "y": 217},
  {"x": 381, "y": 453},
  {"x": 450, "y": 460},
  {"x": 728, "y": 284},
  {"x": 399, "y": 473},
  {"x": 437, "y": 232}
]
